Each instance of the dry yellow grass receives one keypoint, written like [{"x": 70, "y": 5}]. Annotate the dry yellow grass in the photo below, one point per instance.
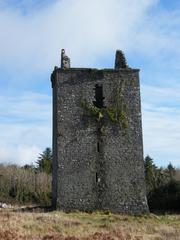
[{"x": 96, "y": 226}]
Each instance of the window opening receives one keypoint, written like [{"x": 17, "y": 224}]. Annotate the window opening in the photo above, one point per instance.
[
  {"x": 99, "y": 103},
  {"x": 96, "y": 177},
  {"x": 98, "y": 147}
]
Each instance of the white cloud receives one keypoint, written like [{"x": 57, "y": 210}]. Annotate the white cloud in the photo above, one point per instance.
[
  {"x": 161, "y": 118},
  {"x": 27, "y": 107},
  {"x": 20, "y": 154},
  {"x": 25, "y": 127},
  {"x": 161, "y": 96},
  {"x": 88, "y": 29}
]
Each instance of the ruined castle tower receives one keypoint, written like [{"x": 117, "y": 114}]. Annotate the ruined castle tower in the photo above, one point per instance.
[{"x": 97, "y": 139}]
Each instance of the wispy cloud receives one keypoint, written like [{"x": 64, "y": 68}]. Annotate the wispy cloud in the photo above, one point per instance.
[
  {"x": 28, "y": 107},
  {"x": 25, "y": 127},
  {"x": 21, "y": 154},
  {"x": 161, "y": 117},
  {"x": 88, "y": 29},
  {"x": 162, "y": 96},
  {"x": 91, "y": 31}
]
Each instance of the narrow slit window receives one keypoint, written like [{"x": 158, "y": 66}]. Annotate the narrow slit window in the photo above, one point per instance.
[
  {"x": 96, "y": 177},
  {"x": 98, "y": 147}
]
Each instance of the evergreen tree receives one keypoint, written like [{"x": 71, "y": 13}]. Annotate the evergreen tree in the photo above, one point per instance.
[
  {"x": 171, "y": 171},
  {"x": 44, "y": 162},
  {"x": 163, "y": 190},
  {"x": 150, "y": 174}
]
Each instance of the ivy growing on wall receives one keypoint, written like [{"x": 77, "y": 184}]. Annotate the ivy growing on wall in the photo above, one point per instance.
[
  {"x": 116, "y": 113},
  {"x": 92, "y": 110}
]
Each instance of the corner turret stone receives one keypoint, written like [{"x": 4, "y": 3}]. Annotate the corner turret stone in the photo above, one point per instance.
[
  {"x": 120, "y": 60},
  {"x": 65, "y": 60}
]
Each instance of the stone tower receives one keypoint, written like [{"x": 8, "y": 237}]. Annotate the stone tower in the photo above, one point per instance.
[{"x": 97, "y": 139}]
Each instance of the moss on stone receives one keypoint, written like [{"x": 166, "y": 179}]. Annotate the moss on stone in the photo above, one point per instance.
[{"x": 116, "y": 113}]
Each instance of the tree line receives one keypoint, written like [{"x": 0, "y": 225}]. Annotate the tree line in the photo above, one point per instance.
[
  {"x": 162, "y": 186},
  {"x": 33, "y": 183}
]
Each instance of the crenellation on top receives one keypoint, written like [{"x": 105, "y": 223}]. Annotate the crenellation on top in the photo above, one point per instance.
[
  {"x": 65, "y": 60},
  {"x": 120, "y": 60},
  {"x": 120, "y": 64}
]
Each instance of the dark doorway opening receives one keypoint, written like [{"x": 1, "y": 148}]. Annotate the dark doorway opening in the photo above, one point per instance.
[{"x": 99, "y": 103}]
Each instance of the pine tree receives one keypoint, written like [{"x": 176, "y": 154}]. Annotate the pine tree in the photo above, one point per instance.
[
  {"x": 150, "y": 174},
  {"x": 171, "y": 171},
  {"x": 44, "y": 162}
]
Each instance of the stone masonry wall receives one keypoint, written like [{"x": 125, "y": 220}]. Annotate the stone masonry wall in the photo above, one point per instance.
[{"x": 93, "y": 170}]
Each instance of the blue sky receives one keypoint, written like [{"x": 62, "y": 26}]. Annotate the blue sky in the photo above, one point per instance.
[{"x": 32, "y": 33}]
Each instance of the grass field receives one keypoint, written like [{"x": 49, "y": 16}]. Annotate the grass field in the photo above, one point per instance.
[{"x": 73, "y": 226}]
